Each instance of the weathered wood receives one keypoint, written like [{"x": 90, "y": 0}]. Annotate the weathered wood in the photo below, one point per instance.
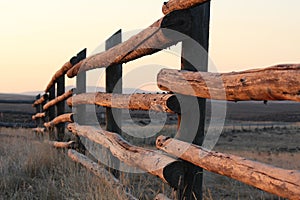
[
  {"x": 103, "y": 174},
  {"x": 173, "y": 5},
  {"x": 58, "y": 99},
  {"x": 60, "y": 119},
  {"x": 60, "y": 107},
  {"x": 38, "y": 115},
  {"x": 194, "y": 57},
  {"x": 281, "y": 182},
  {"x": 280, "y": 82},
  {"x": 38, "y": 109},
  {"x": 155, "y": 102},
  {"x": 61, "y": 145},
  {"x": 61, "y": 72},
  {"x": 39, "y": 130},
  {"x": 51, "y": 113},
  {"x": 161, "y": 197},
  {"x": 81, "y": 88},
  {"x": 113, "y": 84},
  {"x": 41, "y": 100},
  {"x": 166, "y": 168},
  {"x": 147, "y": 42}
]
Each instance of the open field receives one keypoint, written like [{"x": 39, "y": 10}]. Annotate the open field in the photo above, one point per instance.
[{"x": 33, "y": 170}]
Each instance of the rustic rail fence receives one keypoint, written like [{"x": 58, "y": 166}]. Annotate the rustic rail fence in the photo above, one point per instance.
[{"x": 190, "y": 17}]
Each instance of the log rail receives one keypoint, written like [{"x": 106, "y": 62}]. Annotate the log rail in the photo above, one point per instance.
[
  {"x": 281, "y": 182},
  {"x": 58, "y": 99},
  {"x": 280, "y": 82},
  {"x": 155, "y": 102}
]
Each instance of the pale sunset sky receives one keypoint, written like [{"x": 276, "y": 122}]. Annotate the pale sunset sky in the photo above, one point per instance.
[{"x": 38, "y": 37}]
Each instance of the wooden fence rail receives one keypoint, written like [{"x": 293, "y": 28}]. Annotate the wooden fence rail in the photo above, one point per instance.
[
  {"x": 284, "y": 183},
  {"x": 58, "y": 99},
  {"x": 166, "y": 168},
  {"x": 121, "y": 191},
  {"x": 274, "y": 83},
  {"x": 155, "y": 102},
  {"x": 60, "y": 119},
  {"x": 38, "y": 115},
  {"x": 147, "y": 42},
  {"x": 41, "y": 100}
]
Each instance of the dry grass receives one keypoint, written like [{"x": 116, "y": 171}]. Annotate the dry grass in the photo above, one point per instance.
[
  {"x": 30, "y": 169},
  {"x": 33, "y": 170}
]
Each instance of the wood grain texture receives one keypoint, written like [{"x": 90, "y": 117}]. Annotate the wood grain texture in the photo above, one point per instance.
[
  {"x": 155, "y": 102},
  {"x": 61, "y": 145},
  {"x": 38, "y": 115},
  {"x": 58, "y": 99},
  {"x": 149, "y": 41},
  {"x": 107, "y": 177},
  {"x": 280, "y": 82},
  {"x": 61, "y": 72},
  {"x": 39, "y": 130},
  {"x": 41, "y": 100},
  {"x": 173, "y": 5},
  {"x": 166, "y": 168},
  {"x": 281, "y": 182},
  {"x": 60, "y": 119}
]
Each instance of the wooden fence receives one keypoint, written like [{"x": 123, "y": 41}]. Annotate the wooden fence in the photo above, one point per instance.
[{"x": 190, "y": 17}]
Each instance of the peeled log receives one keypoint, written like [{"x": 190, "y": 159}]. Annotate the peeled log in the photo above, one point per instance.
[
  {"x": 41, "y": 100},
  {"x": 58, "y": 99},
  {"x": 155, "y": 102},
  {"x": 151, "y": 40},
  {"x": 173, "y": 5},
  {"x": 281, "y": 182},
  {"x": 166, "y": 168},
  {"x": 38, "y": 130},
  {"x": 38, "y": 115},
  {"x": 60, "y": 119},
  {"x": 61, "y": 72},
  {"x": 102, "y": 173},
  {"x": 61, "y": 145},
  {"x": 280, "y": 82}
]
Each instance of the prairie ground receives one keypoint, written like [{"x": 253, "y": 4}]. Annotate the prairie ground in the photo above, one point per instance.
[{"x": 30, "y": 169}]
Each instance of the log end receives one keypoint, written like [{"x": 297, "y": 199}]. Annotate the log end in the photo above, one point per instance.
[
  {"x": 173, "y": 104},
  {"x": 174, "y": 174}
]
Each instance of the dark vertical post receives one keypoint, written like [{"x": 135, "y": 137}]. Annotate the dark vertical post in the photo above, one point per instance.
[
  {"x": 38, "y": 110},
  {"x": 60, "y": 107},
  {"x": 191, "y": 57},
  {"x": 114, "y": 85},
  {"x": 81, "y": 87},
  {"x": 51, "y": 111}
]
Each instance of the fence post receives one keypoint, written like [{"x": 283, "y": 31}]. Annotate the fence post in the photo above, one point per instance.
[
  {"x": 114, "y": 85},
  {"x": 81, "y": 87},
  {"x": 60, "y": 107},
  {"x": 52, "y": 113},
  {"x": 38, "y": 109},
  {"x": 200, "y": 33}
]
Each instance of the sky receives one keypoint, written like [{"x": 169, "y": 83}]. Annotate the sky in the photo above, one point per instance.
[{"x": 38, "y": 37}]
